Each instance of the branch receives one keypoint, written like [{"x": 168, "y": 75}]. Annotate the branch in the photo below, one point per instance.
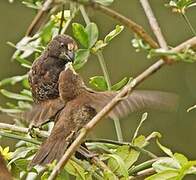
[
  {"x": 44, "y": 134},
  {"x": 145, "y": 165},
  {"x": 22, "y": 129},
  {"x": 39, "y": 18},
  {"x": 127, "y": 89},
  {"x": 107, "y": 141},
  {"x": 14, "y": 136},
  {"x": 130, "y": 24},
  {"x": 154, "y": 24}
]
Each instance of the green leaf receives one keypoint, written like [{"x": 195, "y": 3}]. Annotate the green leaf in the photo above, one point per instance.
[
  {"x": 25, "y": 83},
  {"x": 27, "y": 46},
  {"x": 109, "y": 176},
  {"x": 117, "y": 165},
  {"x": 99, "y": 45},
  {"x": 22, "y": 164},
  {"x": 21, "y": 152},
  {"x": 46, "y": 33},
  {"x": 165, "y": 149},
  {"x": 166, "y": 175},
  {"x": 165, "y": 164},
  {"x": 191, "y": 108},
  {"x": 74, "y": 169},
  {"x": 24, "y": 105},
  {"x": 45, "y": 176},
  {"x": 120, "y": 84},
  {"x": 140, "y": 141},
  {"x": 81, "y": 58},
  {"x": 144, "y": 117},
  {"x": 93, "y": 34},
  {"x": 104, "y": 2},
  {"x": 99, "y": 83},
  {"x": 113, "y": 33},
  {"x": 15, "y": 96},
  {"x": 181, "y": 159},
  {"x": 25, "y": 63},
  {"x": 10, "y": 111},
  {"x": 80, "y": 34},
  {"x": 154, "y": 135},
  {"x": 12, "y": 80},
  {"x": 128, "y": 155},
  {"x": 26, "y": 92},
  {"x": 63, "y": 175}
]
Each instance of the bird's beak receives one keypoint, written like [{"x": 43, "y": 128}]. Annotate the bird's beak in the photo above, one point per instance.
[{"x": 69, "y": 56}]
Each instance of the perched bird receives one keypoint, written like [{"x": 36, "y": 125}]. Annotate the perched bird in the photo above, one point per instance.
[
  {"x": 44, "y": 76},
  {"x": 82, "y": 104},
  {"x": 4, "y": 173}
]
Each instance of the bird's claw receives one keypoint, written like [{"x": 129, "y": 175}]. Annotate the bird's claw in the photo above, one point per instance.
[
  {"x": 86, "y": 153},
  {"x": 32, "y": 131}
]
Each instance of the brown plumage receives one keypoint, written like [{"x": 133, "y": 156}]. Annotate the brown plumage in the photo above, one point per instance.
[
  {"x": 4, "y": 173},
  {"x": 82, "y": 104},
  {"x": 43, "y": 79}
]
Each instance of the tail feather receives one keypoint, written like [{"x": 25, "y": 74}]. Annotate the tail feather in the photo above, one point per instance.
[{"x": 50, "y": 150}]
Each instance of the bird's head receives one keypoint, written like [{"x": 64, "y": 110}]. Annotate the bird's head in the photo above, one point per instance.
[
  {"x": 70, "y": 83},
  {"x": 62, "y": 47}
]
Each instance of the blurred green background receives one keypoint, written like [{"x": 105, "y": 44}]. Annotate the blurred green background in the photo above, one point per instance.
[{"x": 178, "y": 128}]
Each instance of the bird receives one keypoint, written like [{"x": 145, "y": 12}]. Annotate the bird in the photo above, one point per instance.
[
  {"x": 82, "y": 104},
  {"x": 4, "y": 173},
  {"x": 43, "y": 79}
]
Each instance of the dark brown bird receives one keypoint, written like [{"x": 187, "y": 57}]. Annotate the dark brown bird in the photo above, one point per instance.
[
  {"x": 82, "y": 104},
  {"x": 4, "y": 173},
  {"x": 44, "y": 76}
]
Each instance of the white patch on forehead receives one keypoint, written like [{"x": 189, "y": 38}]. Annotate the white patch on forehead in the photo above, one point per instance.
[{"x": 70, "y": 47}]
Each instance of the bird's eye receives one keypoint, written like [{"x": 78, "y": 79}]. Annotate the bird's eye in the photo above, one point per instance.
[{"x": 62, "y": 44}]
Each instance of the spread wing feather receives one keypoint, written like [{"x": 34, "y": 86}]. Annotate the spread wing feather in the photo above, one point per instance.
[
  {"x": 42, "y": 112},
  {"x": 137, "y": 100}
]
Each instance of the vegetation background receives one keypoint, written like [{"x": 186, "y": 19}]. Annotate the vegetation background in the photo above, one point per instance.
[{"x": 178, "y": 128}]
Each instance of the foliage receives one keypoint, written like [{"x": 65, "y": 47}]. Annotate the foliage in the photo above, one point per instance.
[{"x": 121, "y": 158}]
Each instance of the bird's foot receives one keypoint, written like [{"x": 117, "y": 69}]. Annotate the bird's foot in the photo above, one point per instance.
[
  {"x": 32, "y": 131},
  {"x": 86, "y": 153}
]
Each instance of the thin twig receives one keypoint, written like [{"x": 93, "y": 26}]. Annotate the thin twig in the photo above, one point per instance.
[
  {"x": 22, "y": 129},
  {"x": 107, "y": 141},
  {"x": 14, "y": 136},
  {"x": 9, "y": 127},
  {"x": 189, "y": 24},
  {"x": 127, "y": 89},
  {"x": 154, "y": 24},
  {"x": 39, "y": 18},
  {"x": 155, "y": 27},
  {"x": 69, "y": 20},
  {"x": 84, "y": 15},
  {"x": 62, "y": 19}
]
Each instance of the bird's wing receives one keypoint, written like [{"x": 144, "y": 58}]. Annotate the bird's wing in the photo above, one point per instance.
[
  {"x": 137, "y": 100},
  {"x": 67, "y": 124},
  {"x": 42, "y": 112}
]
